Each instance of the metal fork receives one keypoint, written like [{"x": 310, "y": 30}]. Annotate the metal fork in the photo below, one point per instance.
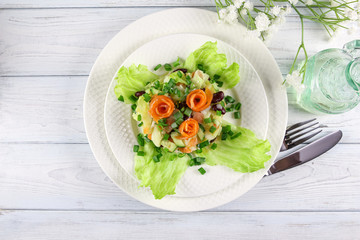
[{"x": 297, "y": 133}]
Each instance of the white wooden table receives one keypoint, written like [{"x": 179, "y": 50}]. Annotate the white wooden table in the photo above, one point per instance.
[{"x": 51, "y": 187}]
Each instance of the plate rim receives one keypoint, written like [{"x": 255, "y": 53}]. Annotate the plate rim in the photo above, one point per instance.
[{"x": 210, "y": 16}]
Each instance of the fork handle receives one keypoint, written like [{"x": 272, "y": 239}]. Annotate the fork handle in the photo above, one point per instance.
[{"x": 283, "y": 146}]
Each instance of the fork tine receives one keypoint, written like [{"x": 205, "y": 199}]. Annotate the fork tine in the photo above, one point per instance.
[
  {"x": 292, "y": 133},
  {"x": 302, "y": 140},
  {"x": 289, "y": 140},
  {"x": 299, "y": 124}
]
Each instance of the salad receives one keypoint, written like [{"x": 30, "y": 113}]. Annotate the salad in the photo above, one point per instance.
[{"x": 180, "y": 117}]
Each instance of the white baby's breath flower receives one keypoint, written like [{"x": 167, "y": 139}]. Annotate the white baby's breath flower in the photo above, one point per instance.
[
  {"x": 309, "y": 2},
  {"x": 276, "y": 10},
  {"x": 280, "y": 20},
  {"x": 262, "y": 22},
  {"x": 228, "y": 14},
  {"x": 238, "y": 3},
  {"x": 351, "y": 14},
  {"x": 293, "y": 2},
  {"x": 287, "y": 10},
  {"x": 248, "y": 5},
  {"x": 294, "y": 80},
  {"x": 243, "y": 12},
  {"x": 222, "y": 13}
]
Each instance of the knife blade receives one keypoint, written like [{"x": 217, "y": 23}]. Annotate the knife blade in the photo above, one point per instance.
[{"x": 306, "y": 153}]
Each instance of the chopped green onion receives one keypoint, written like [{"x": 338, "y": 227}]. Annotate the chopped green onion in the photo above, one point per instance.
[
  {"x": 202, "y": 127},
  {"x": 236, "y": 135},
  {"x": 121, "y": 98},
  {"x": 178, "y": 115},
  {"x": 161, "y": 93},
  {"x": 139, "y": 117},
  {"x": 179, "y": 121},
  {"x": 141, "y": 153},
  {"x": 156, "y": 158},
  {"x": 140, "y": 124},
  {"x": 147, "y": 97},
  {"x": 238, "y": 106},
  {"x": 226, "y": 129},
  {"x": 166, "y": 137},
  {"x": 229, "y": 99},
  {"x": 199, "y": 159},
  {"x": 223, "y": 136},
  {"x": 222, "y": 103},
  {"x": 219, "y": 83},
  {"x": 213, "y": 146},
  {"x": 191, "y": 162},
  {"x": 187, "y": 91},
  {"x": 230, "y": 133},
  {"x": 147, "y": 138},
  {"x": 178, "y": 92},
  {"x": 200, "y": 67},
  {"x": 218, "y": 113},
  {"x": 202, "y": 171},
  {"x": 157, "y": 84},
  {"x": 167, "y": 67},
  {"x": 133, "y": 107},
  {"x": 177, "y": 62},
  {"x": 133, "y": 98},
  {"x": 188, "y": 112},
  {"x": 204, "y": 144},
  {"x": 212, "y": 129},
  {"x": 207, "y": 120},
  {"x": 237, "y": 115},
  {"x": 140, "y": 140},
  {"x": 174, "y": 125},
  {"x": 171, "y": 82},
  {"x": 216, "y": 77},
  {"x": 198, "y": 150},
  {"x": 181, "y": 155},
  {"x": 162, "y": 122},
  {"x": 157, "y": 67},
  {"x": 179, "y": 73},
  {"x": 136, "y": 148}
]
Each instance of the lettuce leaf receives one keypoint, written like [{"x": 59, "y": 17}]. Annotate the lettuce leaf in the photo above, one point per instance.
[
  {"x": 162, "y": 177},
  {"x": 132, "y": 79},
  {"x": 214, "y": 64},
  {"x": 245, "y": 153},
  {"x": 230, "y": 77}
]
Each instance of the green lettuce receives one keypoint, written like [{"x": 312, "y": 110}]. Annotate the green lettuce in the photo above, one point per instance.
[
  {"x": 132, "y": 79},
  {"x": 245, "y": 153},
  {"x": 162, "y": 177},
  {"x": 213, "y": 64}
]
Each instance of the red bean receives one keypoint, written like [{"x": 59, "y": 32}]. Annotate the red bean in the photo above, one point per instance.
[
  {"x": 217, "y": 97},
  {"x": 139, "y": 93},
  {"x": 218, "y": 107}
]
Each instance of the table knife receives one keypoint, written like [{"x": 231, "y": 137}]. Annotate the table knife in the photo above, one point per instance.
[{"x": 306, "y": 153}]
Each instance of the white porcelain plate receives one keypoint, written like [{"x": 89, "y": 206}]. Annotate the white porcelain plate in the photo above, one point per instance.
[
  {"x": 163, "y": 23},
  {"x": 122, "y": 130}
]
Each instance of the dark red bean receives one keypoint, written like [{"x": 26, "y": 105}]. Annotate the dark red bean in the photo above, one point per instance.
[
  {"x": 139, "y": 93},
  {"x": 218, "y": 107},
  {"x": 217, "y": 97},
  {"x": 184, "y": 70},
  {"x": 211, "y": 141}
]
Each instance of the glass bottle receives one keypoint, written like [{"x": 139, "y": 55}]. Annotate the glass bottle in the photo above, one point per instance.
[{"x": 332, "y": 80}]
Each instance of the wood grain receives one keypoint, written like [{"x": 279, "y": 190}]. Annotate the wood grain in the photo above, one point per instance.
[
  {"x": 66, "y": 176},
  {"x": 102, "y": 3},
  {"x": 67, "y": 41},
  {"x": 133, "y": 225}
]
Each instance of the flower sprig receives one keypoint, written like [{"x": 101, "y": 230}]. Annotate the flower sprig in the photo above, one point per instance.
[{"x": 264, "y": 21}]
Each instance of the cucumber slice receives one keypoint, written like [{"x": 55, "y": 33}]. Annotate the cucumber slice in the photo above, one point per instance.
[
  {"x": 169, "y": 145},
  {"x": 156, "y": 136},
  {"x": 201, "y": 134},
  {"x": 178, "y": 142}
]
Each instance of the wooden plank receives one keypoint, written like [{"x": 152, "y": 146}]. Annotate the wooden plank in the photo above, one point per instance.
[
  {"x": 49, "y": 110},
  {"x": 103, "y": 3},
  {"x": 42, "y": 109},
  {"x": 67, "y": 41},
  {"x": 133, "y": 225},
  {"x": 66, "y": 176}
]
